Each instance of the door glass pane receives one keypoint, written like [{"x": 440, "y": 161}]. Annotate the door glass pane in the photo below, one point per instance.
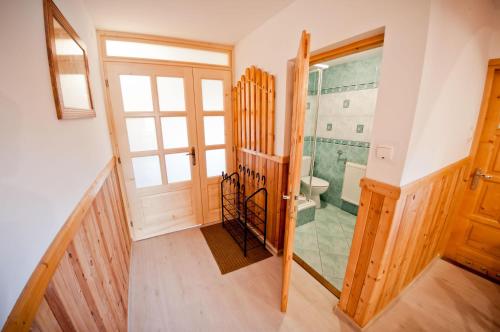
[
  {"x": 174, "y": 131},
  {"x": 171, "y": 93},
  {"x": 136, "y": 93},
  {"x": 147, "y": 171},
  {"x": 141, "y": 134},
  {"x": 165, "y": 52},
  {"x": 178, "y": 167},
  {"x": 216, "y": 162},
  {"x": 213, "y": 95},
  {"x": 214, "y": 130}
]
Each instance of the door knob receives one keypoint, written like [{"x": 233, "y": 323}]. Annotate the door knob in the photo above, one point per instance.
[
  {"x": 296, "y": 197},
  {"x": 193, "y": 155},
  {"x": 478, "y": 175}
]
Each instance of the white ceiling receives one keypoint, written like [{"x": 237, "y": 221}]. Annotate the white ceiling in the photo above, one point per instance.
[{"x": 220, "y": 21}]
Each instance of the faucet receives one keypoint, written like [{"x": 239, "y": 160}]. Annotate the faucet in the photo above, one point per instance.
[{"x": 339, "y": 156}]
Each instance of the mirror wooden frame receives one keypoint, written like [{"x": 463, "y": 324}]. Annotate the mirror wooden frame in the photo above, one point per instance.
[{"x": 51, "y": 13}]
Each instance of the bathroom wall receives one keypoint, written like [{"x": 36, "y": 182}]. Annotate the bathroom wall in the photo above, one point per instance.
[
  {"x": 328, "y": 165},
  {"x": 345, "y": 116}
]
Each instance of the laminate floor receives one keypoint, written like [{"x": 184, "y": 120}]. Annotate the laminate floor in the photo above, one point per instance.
[{"x": 175, "y": 285}]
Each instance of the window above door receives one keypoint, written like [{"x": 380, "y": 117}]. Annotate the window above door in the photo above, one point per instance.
[{"x": 117, "y": 46}]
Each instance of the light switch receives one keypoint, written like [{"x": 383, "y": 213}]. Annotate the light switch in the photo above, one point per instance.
[{"x": 384, "y": 152}]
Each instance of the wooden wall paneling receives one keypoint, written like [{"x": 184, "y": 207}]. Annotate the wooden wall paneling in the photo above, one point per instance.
[
  {"x": 357, "y": 241},
  {"x": 236, "y": 128},
  {"x": 255, "y": 93},
  {"x": 247, "y": 109},
  {"x": 66, "y": 300},
  {"x": 241, "y": 111},
  {"x": 271, "y": 167},
  {"x": 373, "y": 218},
  {"x": 399, "y": 231},
  {"x": 384, "y": 239},
  {"x": 45, "y": 320},
  {"x": 258, "y": 114},
  {"x": 264, "y": 112},
  {"x": 270, "y": 114},
  {"x": 26, "y": 307},
  {"x": 254, "y": 109},
  {"x": 251, "y": 78},
  {"x": 95, "y": 245},
  {"x": 88, "y": 279},
  {"x": 85, "y": 268}
]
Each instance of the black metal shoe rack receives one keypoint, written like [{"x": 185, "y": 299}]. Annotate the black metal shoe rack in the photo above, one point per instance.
[{"x": 243, "y": 216}]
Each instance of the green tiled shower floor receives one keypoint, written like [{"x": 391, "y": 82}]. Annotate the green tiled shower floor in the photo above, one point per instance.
[{"x": 325, "y": 242}]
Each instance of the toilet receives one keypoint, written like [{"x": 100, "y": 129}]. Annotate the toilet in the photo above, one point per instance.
[{"x": 318, "y": 186}]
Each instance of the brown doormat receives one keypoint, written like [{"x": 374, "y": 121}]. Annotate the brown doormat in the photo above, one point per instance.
[{"x": 227, "y": 253}]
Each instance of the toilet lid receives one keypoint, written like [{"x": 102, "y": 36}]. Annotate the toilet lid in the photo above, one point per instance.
[{"x": 316, "y": 182}]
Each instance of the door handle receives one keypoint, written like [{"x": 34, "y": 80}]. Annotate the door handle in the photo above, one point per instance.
[
  {"x": 478, "y": 175},
  {"x": 193, "y": 155},
  {"x": 296, "y": 197}
]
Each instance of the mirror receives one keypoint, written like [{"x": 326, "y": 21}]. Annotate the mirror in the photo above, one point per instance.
[{"x": 68, "y": 66}]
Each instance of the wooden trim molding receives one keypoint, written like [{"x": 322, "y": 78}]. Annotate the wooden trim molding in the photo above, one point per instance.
[
  {"x": 397, "y": 234},
  {"x": 274, "y": 158},
  {"x": 493, "y": 65},
  {"x": 63, "y": 64},
  {"x": 359, "y": 46},
  {"x": 27, "y": 306}
]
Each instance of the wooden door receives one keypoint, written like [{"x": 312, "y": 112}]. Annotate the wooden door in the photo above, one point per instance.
[
  {"x": 476, "y": 240},
  {"x": 155, "y": 122},
  {"x": 301, "y": 76},
  {"x": 215, "y": 139}
]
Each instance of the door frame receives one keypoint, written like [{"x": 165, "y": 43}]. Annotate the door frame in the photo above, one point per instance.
[
  {"x": 373, "y": 40},
  {"x": 493, "y": 65},
  {"x": 102, "y": 36}
]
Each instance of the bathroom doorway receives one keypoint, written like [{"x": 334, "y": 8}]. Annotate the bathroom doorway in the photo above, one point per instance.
[{"x": 341, "y": 99}]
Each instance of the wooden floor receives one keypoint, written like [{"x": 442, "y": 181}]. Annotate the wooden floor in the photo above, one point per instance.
[{"x": 175, "y": 285}]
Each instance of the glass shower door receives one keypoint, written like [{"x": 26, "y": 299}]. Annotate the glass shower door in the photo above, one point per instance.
[{"x": 310, "y": 128}]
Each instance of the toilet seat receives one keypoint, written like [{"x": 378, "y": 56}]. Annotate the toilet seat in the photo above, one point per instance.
[{"x": 316, "y": 182}]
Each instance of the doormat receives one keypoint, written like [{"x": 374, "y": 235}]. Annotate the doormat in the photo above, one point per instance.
[{"x": 227, "y": 253}]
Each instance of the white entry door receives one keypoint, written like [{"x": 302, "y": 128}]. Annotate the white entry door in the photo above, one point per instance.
[{"x": 159, "y": 130}]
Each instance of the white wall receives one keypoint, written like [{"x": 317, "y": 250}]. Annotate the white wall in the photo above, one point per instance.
[
  {"x": 457, "y": 53},
  {"x": 46, "y": 164},
  {"x": 329, "y": 22},
  {"x": 495, "y": 37}
]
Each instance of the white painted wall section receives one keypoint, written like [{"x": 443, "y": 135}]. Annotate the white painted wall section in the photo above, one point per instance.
[
  {"x": 46, "y": 164},
  {"x": 275, "y": 42},
  {"x": 456, "y": 60}
]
